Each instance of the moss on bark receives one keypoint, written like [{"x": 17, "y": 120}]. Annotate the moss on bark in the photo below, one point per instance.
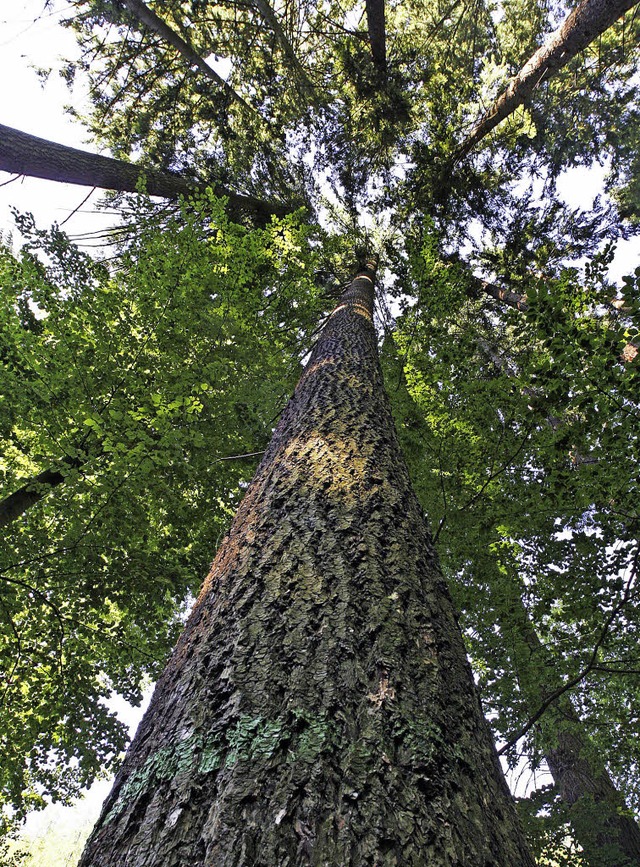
[{"x": 319, "y": 708}]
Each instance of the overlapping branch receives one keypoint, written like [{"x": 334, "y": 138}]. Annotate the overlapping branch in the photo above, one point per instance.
[{"x": 149, "y": 18}]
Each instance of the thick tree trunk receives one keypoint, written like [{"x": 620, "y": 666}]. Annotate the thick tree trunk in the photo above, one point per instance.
[
  {"x": 319, "y": 708},
  {"x": 601, "y": 820},
  {"x": 587, "y": 21},
  {"x": 35, "y": 157}
]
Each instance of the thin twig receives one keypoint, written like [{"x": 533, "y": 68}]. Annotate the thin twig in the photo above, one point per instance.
[
  {"x": 591, "y": 664},
  {"x": 237, "y": 457}
]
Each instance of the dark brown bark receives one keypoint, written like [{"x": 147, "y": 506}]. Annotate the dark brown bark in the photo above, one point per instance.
[
  {"x": 601, "y": 820},
  {"x": 149, "y": 18},
  {"x": 25, "y": 154},
  {"x": 28, "y": 495},
  {"x": 587, "y": 21},
  {"x": 377, "y": 33},
  {"x": 319, "y": 708}
]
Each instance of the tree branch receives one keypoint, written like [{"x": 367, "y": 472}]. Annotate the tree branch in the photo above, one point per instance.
[
  {"x": 24, "y": 154},
  {"x": 581, "y": 27},
  {"x": 149, "y": 18},
  {"x": 590, "y": 666},
  {"x": 28, "y": 495},
  {"x": 271, "y": 19}
]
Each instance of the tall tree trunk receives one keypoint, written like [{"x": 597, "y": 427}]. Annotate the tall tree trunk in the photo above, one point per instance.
[
  {"x": 601, "y": 820},
  {"x": 35, "y": 157},
  {"x": 149, "y": 18},
  {"x": 319, "y": 707},
  {"x": 377, "y": 32},
  {"x": 587, "y": 21}
]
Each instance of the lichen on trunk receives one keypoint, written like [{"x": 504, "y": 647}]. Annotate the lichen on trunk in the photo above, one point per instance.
[{"x": 319, "y": 708}]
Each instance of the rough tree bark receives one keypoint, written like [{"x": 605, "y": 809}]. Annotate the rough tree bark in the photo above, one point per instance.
[
  {"x": 587, "y": 21},
  {"x": 319, "y": 708},
  {"x": 25, "y": 154},
  {"x": 602, "y": 822}
]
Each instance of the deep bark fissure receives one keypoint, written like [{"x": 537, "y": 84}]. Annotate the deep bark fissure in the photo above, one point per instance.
[{"x": 319, "y": 708}]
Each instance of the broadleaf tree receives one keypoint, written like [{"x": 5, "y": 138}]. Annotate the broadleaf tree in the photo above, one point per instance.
[{"x": 518, "y": 422}]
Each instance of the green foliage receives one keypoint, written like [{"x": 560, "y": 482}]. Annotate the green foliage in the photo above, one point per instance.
[
  {"x": 135, "y": 379},
  {"x": 546, "y": 824},
  {"x": 140, "y": 380}
]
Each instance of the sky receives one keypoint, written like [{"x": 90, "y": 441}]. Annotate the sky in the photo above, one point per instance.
[{"x": 30, "y": 36}]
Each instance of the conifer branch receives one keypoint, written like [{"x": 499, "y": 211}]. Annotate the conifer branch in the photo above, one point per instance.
[
  {"x": 149, "y": 18},
  {"x": 589, "y": 20},
  {"x": 271, "y": 19}
]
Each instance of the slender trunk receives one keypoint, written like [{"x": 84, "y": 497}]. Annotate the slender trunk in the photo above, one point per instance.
[
  {"x": 601, "y": 820},
  {"x": 377, "y": 33},
  {"x": 319, "y": 708},
  {"x": 35, "y": 157},
  {"x": 587, "y": 21},
  {"x": 149, "y": 18},
  {"x": 271, "y": 19}
]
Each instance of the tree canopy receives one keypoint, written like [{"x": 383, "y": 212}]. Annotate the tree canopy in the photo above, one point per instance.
[{"x": 138, "y": 389}]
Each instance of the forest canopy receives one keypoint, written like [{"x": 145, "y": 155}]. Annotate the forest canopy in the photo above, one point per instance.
[{"x": 139, "y": 387}]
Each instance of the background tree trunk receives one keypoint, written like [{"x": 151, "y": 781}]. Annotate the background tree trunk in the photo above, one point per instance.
[
  {"x": 602, "y": 822},
  {"x": 271, "y": 20},
  {"x": 35, "y": 157},
  {"x": 587, "y": 21},
  {"x": 319, "y": 707},
  {"x": 377, "y": 32}
]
